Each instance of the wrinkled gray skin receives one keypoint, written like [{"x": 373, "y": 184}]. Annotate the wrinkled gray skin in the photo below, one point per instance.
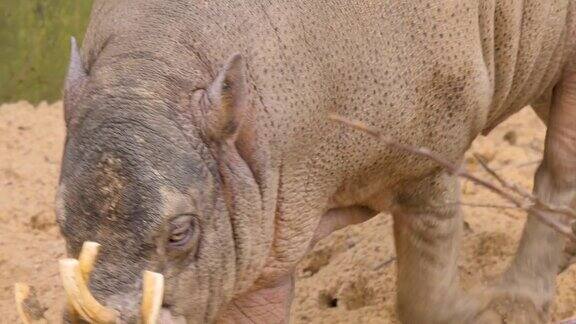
[{"x": 166, "y": 126}]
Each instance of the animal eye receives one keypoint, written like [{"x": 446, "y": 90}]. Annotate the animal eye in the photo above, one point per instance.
[{"x": 181, "y": 231}]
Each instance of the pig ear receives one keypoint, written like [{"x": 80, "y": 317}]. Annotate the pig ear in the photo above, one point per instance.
[
  {"x": 227, "y": 100},
  {"x": 74, "y": 79}
]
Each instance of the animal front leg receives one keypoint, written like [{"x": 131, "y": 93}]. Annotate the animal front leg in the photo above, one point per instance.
[
  {"x": 270, "y": 301},
  {"x": 427, "y": 231}
]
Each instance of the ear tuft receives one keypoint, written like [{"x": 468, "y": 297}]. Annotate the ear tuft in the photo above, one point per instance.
[
  {"x": 228, "y": 99},
  {"x": 74, "y": 79},
  {"x": 76, "y": 70}
]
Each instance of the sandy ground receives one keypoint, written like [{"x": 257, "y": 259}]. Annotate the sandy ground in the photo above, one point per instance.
[{"x": 348, "y": 278}]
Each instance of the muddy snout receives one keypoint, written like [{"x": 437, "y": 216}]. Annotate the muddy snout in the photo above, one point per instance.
[{"x": 83, "y": 307}]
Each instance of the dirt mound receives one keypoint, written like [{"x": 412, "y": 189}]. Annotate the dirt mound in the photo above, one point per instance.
[{"x": 349, "y": 276}]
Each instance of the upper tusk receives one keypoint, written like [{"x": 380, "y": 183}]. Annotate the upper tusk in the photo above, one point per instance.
[
  {"x": 152, "y": 295},
  {"x": 29, "y": 310},
  {"x": 80, "y": 297},
  {"x": 87, "y": 259}
]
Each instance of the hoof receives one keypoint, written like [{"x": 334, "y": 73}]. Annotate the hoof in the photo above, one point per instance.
[{"x": 509, "y": 307}]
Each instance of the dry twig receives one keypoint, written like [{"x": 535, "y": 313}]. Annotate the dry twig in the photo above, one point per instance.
[
  {"x": 480, "y": 205},
  {"x": 519, "y": 197},
  {"x": 519, "y": 165}
]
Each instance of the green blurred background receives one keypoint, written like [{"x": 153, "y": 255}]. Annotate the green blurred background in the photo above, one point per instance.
[{"x": 34, "y": 46}]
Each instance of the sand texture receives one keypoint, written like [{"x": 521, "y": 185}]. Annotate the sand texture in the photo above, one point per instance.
[{"x": 348, "y": 278}]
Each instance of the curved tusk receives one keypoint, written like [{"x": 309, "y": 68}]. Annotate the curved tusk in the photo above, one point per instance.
[
  {"x": 87, "y": 259},
  {"x": 27, "y": 305},
  {"x": 80, "y": 297},
  {"x": 152, "y": 295}
]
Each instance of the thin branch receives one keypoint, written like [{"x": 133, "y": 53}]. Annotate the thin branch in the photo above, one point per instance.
[
  {"x": 518, "y": 190},
  {"x": 385, "y": 263},
  {"x": 479, "y": 205},
  {"x": 535, "y": 206},
  {"x": 425, "y": 152},
  {"x": 519, "y": 165},
  {"x": 503, "y": 183}
]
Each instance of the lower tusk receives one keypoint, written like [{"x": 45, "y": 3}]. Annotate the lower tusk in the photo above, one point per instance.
[
  {"x": 152, "y": 295},
  {"x": 87, "y": 259},
  {"x": 28, "y": 307},
  {"x": 80, "y": 297}
]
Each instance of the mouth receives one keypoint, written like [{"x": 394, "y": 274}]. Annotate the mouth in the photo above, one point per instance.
[{"x": 82, "y": 305}]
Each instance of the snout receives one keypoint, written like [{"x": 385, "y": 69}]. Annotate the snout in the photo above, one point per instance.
[{"x": 83, "y": 306}]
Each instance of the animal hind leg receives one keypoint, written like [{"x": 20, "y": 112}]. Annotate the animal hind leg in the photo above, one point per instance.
[
  {"x": 542, "y": 108},
  {"x": 541, "y": 253}
]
